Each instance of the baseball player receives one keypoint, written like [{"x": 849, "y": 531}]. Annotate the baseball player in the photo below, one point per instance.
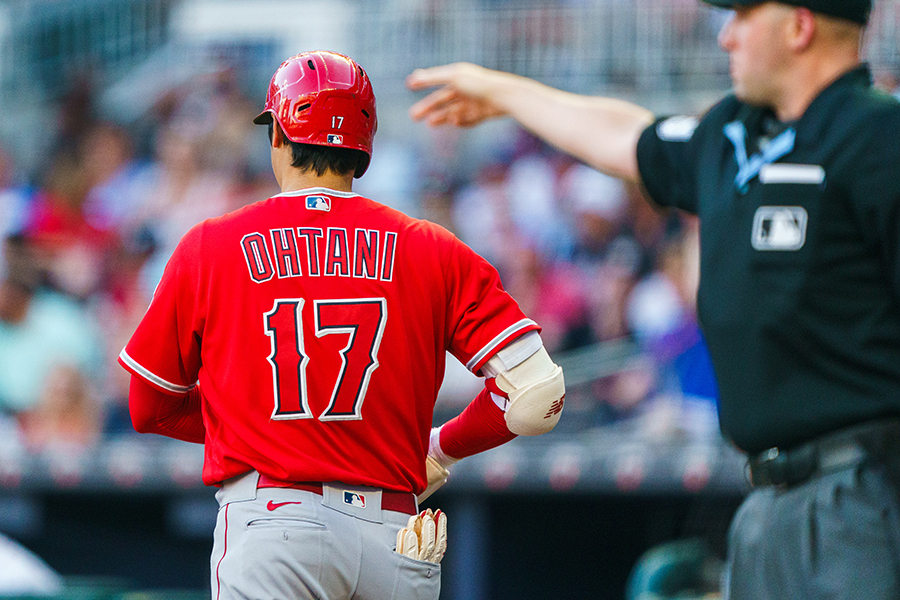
[
  {"x": 302, "y": 339},
  {"x": 794, "y": 177}
]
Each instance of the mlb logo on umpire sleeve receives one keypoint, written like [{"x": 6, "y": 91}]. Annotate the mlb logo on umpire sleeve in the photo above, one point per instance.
[
  {"x": 779, "y": 228},
  {"x": 354, "y": 499}
]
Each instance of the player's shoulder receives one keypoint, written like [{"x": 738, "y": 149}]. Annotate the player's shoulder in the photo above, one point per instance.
[
  {"x": 410, "y": 226},
  {"x": 203, "y": 238},
  {"x": 424, "y": 231}
]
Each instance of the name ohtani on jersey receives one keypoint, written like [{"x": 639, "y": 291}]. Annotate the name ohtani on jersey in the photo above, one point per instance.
[{"x": 314, "y": 252}]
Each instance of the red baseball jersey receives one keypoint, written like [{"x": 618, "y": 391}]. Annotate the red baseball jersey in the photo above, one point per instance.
[{"x": 316, "y": 324}]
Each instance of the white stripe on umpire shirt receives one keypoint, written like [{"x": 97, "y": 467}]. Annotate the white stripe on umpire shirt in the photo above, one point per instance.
[{"x": 788, "y": 173}]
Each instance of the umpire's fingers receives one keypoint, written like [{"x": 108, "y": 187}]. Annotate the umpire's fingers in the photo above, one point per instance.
[
  {"x": 435, "y": 107},
  {"x": 432, "y": 76}
]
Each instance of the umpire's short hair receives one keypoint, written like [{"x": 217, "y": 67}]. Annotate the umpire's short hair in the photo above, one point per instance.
[{"x": 321, "y": 159}]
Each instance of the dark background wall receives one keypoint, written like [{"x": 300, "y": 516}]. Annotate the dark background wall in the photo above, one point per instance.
[{"x": 501, "y": 546}]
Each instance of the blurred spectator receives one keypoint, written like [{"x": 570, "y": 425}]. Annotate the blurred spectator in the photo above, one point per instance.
[
  {"x": 608, "y": 287},
  {"x": 481, "y": 212},
  {"x": 119, "y": 309},
  {"x": 662, "y": 303},
  {"x": 40, "y": 331},
  {"x": 623, "y": 396},
  {"x": 393, "y": 177},
  {"x": 436, "y": 203},
  {"x": 531, "y": 192},
  {"x": 889, "y": 81},
  {"x": 228, "y": 120},
  {"x": 662, "y": 314},
  {"x": 182, "y": 192},
  {"x": 116, "y": 181},
  {"x": 76, "y": 115},
  {"x": 67, "y": 415},
  {"x": 73, "y": 251},
  {"x": 607, "y": 257},
  {"x": 551, "y": 293},
  {"x": 598, "y": 204},
  {"x": 15, "y": 198}
]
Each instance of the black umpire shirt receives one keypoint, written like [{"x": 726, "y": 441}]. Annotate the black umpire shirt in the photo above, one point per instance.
[{"x": 799, "y": 293}]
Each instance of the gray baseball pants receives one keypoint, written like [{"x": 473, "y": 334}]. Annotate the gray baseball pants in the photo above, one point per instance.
[
  {"x": 289, "y": 544},
  {"x": 834, "y": 537}
]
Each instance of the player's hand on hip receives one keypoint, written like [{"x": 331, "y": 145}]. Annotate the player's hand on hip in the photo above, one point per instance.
[
  {"x": 463, "y": 98},
  {"x": 437, "y": 476},
  {"x": 424, "y": 537}
]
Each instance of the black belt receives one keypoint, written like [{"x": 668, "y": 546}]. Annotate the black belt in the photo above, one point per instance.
[{"x": 832, "y": 452}]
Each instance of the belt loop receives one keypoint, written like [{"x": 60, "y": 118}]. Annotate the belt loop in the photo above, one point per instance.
[{"x": 238, "y": 489}]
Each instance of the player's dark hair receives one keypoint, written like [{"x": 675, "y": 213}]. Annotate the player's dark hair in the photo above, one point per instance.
[{"x": 310, "y": 157}]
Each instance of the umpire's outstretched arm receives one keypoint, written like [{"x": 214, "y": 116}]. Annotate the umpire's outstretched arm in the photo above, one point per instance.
[{"x": 602, "y": 132}]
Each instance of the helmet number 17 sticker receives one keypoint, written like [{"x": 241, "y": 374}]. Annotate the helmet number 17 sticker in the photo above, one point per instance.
[{"x": 336, "y": 122}]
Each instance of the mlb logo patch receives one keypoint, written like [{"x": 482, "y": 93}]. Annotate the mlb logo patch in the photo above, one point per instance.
[
  {"x": 334, "y": 138},
  {"x": 779, "y": 228},
  {"x": 354, "y": 499},
  {"x": 322, "y": 203}
]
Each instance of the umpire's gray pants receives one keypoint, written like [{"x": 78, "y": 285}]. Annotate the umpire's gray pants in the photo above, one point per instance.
[
  {"x": 834, "y": 537},
  {"x": 287, "y": 544}
]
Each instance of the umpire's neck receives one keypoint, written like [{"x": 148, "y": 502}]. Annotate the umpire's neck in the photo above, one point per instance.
[{"x": 291, "y": 178}]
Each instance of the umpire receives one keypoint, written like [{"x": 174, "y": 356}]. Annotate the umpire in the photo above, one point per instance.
[{"x": 795, "y": 177}]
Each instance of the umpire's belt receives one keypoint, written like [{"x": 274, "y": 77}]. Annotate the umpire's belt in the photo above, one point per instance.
[{"x": 829, "y": 453}]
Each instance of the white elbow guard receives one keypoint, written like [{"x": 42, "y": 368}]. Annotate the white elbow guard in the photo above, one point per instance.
[{"x": 536, "y": 394}]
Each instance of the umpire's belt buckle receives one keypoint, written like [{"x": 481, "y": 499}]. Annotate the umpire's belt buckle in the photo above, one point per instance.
[
  {"x": 780, "y": 467},
  {"x": 776, "y": 467}
]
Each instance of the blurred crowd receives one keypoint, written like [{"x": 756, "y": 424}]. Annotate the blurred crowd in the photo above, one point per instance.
[
  {"x": 592, "y": 261},
  {"x": 85, "y": 240},
  {"x": 87, "y": 237}
]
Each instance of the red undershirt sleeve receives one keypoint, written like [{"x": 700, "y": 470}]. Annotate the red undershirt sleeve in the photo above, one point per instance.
[
  {"x": 481, "y": 426},
  {"x": 153, "y": 411}
]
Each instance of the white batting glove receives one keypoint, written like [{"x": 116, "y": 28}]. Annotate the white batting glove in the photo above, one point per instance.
[
  {"x": 436, "y": 463},
  {"x": 424, "y": 537}
]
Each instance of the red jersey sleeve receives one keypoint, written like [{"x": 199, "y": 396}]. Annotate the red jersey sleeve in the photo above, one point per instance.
[
  {"x": 155, "y": 412},
  {"x": 484, "y": 317},
  {"x": 165, "y": 347}
]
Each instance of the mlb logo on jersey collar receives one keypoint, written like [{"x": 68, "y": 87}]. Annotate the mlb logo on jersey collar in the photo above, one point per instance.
[{"x": 322, "y": 203}]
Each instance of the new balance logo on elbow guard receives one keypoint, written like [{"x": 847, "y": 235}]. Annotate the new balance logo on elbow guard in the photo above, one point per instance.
[{"x": 556, "y": 407}]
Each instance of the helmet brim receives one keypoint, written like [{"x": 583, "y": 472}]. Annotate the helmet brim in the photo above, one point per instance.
[{"x": 263, "y": 118}]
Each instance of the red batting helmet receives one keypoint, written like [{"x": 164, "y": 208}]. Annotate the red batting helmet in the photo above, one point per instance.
[{"x": 322, "y": 98}]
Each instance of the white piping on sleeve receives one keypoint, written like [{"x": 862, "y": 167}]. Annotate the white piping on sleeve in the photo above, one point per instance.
[{"x": 152, "y": 377}]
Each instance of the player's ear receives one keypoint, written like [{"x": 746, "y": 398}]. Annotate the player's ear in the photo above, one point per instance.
[{"x": 277, "y": 135}]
